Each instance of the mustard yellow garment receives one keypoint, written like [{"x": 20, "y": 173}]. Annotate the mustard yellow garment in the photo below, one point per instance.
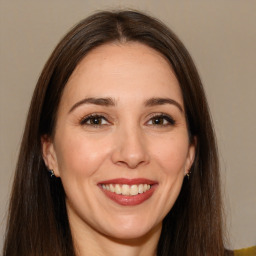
[{"x": 246, "y": 252}]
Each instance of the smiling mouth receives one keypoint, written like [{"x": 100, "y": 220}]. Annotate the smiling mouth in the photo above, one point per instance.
[
  {"x": 125, "y": 189},
  {"x": 128, "y": 192}
]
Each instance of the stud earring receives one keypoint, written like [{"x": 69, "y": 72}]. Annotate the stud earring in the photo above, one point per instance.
[
  {"x": 51, "y": 173},
  {"x": 188, "y": 174}
]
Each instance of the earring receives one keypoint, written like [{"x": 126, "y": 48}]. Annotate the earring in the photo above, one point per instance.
[
  {"x": 51, "y": 173},
  {"x": 188, "y": 174}
]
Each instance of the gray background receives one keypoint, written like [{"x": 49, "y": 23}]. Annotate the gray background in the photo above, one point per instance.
[{"x": 221, "y": 37}]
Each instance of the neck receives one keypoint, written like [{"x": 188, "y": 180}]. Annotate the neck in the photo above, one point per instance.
[{"x": 89, "y": 242}]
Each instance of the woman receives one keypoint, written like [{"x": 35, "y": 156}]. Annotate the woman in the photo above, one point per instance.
[{"x": 118, "y": 154}]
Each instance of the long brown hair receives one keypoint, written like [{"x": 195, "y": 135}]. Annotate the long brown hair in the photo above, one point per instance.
[{"x": 38, "y": 222}]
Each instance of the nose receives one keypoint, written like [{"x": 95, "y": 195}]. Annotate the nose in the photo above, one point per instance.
[{"x": 130, "y": 149}]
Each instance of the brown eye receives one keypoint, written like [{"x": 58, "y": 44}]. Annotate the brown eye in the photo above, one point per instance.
[
  {"x": 158, "y": 121},
  {"x": 94, "y": 120},
  {"x": 161, "y": 120}
]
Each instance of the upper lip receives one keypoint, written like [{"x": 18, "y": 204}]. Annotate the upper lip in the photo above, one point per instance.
[{"x": 129, "y": 181}]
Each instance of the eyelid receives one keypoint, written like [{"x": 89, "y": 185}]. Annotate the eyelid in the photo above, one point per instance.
[
  {"x": 169, "y": 118},
  {"x": 84, "y": 119}
]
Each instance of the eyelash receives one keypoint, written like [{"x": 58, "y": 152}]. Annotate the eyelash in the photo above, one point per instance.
[
  {"x": 91, "y": 117},
  {"x": 163, "y": 117}
]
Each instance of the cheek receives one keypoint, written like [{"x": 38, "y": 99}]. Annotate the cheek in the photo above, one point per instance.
[
  {"x": 79, "y": 155},
  {"x": 171, "y": 154}
]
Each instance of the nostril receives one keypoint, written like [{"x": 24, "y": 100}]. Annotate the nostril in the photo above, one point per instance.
[
  {"x": 130, "y": 160},
  {"x": 130, "y": 149}
]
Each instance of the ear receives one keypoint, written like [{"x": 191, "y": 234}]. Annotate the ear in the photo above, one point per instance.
[
  {"x": 191, "y": 155},
  {"x": 49, "y": 154}
]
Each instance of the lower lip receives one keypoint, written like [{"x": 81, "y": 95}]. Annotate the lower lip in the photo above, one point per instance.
[{"x": 130, "y": 200}]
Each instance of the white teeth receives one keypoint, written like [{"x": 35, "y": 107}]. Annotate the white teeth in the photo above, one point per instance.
[
  {"x": 118, "y": 189},
  {"x": 134, "y": 190},
  {"x": 127, "y": 190},
  {"x": 112, "y": 188},
  {"x": 141, "y": 188}
]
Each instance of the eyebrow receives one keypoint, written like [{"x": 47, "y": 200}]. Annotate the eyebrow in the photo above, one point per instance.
[
  {"x": 162, "y": 101},
  {"x": 95, "y": 101},
  {"x": 107, "y": 102}
]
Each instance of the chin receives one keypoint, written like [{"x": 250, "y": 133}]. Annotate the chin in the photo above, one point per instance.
[{"x": 134, "y": 230}]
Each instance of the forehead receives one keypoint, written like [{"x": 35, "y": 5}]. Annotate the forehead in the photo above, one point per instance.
[{"x": 116, "y": 70}]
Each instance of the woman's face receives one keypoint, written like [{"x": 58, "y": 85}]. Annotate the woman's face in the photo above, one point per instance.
[{"x": 121, "y": 145}]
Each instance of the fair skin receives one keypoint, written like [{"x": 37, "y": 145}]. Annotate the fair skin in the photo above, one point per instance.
[{"x": 120, "y": 123}]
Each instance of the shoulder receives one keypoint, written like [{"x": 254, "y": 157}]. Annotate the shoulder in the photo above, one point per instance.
[{"x": 251, "y": 251}]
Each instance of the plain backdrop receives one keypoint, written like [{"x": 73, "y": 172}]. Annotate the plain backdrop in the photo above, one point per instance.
[{"x": 221, "y": 37}]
